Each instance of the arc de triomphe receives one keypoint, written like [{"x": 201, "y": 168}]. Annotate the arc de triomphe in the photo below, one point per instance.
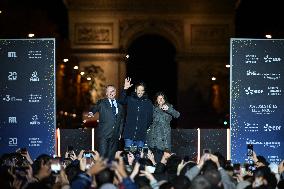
[{"x": 101, "y": 31}]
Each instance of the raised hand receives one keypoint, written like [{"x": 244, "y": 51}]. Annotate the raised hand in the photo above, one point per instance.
[
  {"x": 214, "y": 159},
  {"x": 80, "y": 156},
  {"x": 62, "y": 179},
  {"x": 95, "y": 155},
  {"x": 148, "y": 175},
  {"x": 151, "y": 157},
  {"x": 130, "y": 158},
  {"x": 97, "y": 167},
  {"x": 181, "y": 166},
  {"x": 165, "y": 107},
  {"x": 73, "y": 156},
  {"x": 28, "y": 157},
  {"x": 202, "y": 160},
  {"x": 119, "y": 167},
  {"x": 135, "y": 170},
  {"x": 127, "y": 83}
]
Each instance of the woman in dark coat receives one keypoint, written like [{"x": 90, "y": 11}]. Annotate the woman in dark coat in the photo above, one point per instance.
[{"x": 159, "y": 133}]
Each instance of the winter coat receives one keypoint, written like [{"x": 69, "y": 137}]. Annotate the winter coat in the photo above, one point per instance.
[
  {"x": 159, "y": 134},
  {"x": 139, "y": 116}
]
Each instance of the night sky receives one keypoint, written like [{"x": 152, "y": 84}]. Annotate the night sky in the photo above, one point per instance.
[{"x": 255, "y": 18}]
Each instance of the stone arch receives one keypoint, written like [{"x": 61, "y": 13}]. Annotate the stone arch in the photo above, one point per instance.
[
  {"x": 148, "y": 53},
  {"x": 170, "y": 30}
]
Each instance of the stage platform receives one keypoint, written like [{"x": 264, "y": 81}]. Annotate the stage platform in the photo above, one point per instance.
[{"x": 185, "y": 142}]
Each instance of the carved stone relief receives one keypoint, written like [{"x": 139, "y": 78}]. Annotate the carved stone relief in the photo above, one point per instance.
[
  {"x": 94, "y": 33},
  {"x": 131, "y": 29},
  {"x": 209, "y": 34}
]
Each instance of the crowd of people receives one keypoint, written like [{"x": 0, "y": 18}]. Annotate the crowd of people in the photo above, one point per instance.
[
  {"x": 136, "y": 165},
  {"x": 88, "y": 170}
]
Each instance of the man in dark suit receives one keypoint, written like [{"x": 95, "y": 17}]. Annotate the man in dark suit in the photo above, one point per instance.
[{"x": 110, "y": 123}]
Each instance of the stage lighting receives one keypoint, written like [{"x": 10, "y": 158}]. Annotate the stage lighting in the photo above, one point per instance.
[{"x": 31, "y": 35}]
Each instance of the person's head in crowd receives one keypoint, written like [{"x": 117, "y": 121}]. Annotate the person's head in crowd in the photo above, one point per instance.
[
  {"x": 249, "y": 178},
  {"x": 208, "y": 165},
  {"x": 214, "y": 177},
  {"x": 264, "y": 178},
  {"x": 4, "y": 159},
  {"x": 280, "y": 184},
  {"x": 173, "y": 163},
  {"x": 5, "y": 165},
  {"x": 14, "y": 160},
  {"x": 261, "y": 161},
  {"x": 229, "y": 169},
  {"x": 72, "y": 170},
  {"x": 15, "y": 165},
  {"x": 104, "y": 176},
  {"x": 140, "y": 89},
  {"x": 166, "y": 185},
  {"x": 42, "y": 167},
  {"x": 187, "y": 167},
  {"x": 181, "y": 182},
  {"x": 200, "y": 182},
  {"x": 142, "y": 182},
  {"x": 38, "y": 185},
  {"x": 221, "y": 159}
]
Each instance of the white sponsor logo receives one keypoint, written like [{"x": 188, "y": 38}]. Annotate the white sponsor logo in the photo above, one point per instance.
[
  {"x": 13, "y": 141},
  {"x": 12, "y": 76},
  {"x": 12, "y": 119},
  {"x": 12, "y": 55}
]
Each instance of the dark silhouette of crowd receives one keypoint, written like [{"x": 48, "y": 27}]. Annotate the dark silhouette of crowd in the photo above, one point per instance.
[{"x": 133, "y": 169}]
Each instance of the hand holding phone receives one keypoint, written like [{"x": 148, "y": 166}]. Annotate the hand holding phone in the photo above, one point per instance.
[
  {"x": 88, "y": 155},
  {"x": 249, "y": 150},
  {"x": 55, "y": 166},
  {"x": 23, "y": 151}
]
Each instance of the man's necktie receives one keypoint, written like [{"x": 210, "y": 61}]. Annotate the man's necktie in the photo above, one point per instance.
[{"x": 113, "y": 107}]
